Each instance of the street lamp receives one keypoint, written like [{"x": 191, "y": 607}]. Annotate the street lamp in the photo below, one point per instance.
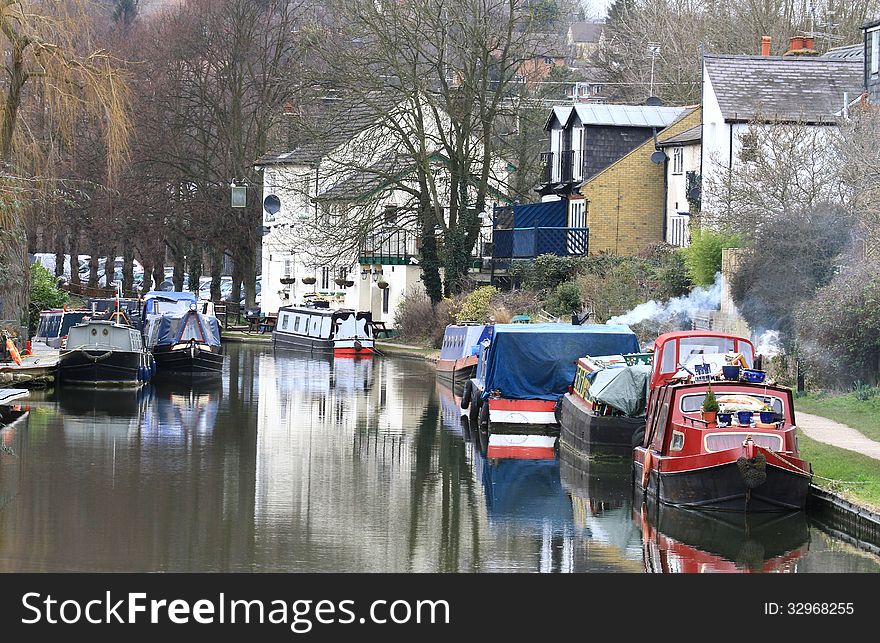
[
  {"x": 239, "y": 194},
  {"x": 654, "y": 50}
]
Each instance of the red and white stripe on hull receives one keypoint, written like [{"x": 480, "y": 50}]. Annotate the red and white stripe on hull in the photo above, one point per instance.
[
  {"x": 522, "y": 447},
  {"x": 504, "y": 411},
  {"x": 353, "y": 352},
  {"x": 353, "y": 347}
]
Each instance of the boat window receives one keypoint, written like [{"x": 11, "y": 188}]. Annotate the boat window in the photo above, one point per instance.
[
  {"x": 667, "y": 362},
  {"x": 284, "y": 319},
  {"x": 732, "y": 402},
  {"x": 660, "y": 430},
  {"x": 728, "y": 440},
  {"x": 677, "y": 442},
  {"x": 747, "y": 353},
  {"x": 94, "y": 331},
  {"x": 690, "y": 346},
  {"x": 296, "y": 324},
  {"x": 192, "y": 329}
]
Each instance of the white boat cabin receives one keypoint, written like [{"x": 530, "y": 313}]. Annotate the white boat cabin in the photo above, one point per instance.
[
  {"x": 104, "y": 335},
  {"x": 323, "y": 323}
]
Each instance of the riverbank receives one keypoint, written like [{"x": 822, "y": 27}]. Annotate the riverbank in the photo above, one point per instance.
[
  {"x": 242, "y": 337},
  {"x": 399, "y": 349}
]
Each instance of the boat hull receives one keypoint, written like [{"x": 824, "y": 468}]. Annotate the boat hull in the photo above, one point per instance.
[
  {"x": 189, "y": 360},
  {"x": 454, "y": 374},
  {"x": 721, "y": 487},
  {"x": 585, "y": 433},
  {"x": 104, "y": 367},
  {"x": 319, "y": 345}
]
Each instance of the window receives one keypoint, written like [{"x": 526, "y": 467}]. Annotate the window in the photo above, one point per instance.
[
  {"x": 677, "y": 160},
  {"x": 296, "y": 324},
  {"x": 284, "y": 320},
  {"x": 386, "y": 296},
  {"x": 677, "y": 442},
  {"x": 325, "y": 278},
  {"x": 875, "y": 52},
  {"x": 748, "y": 146},
  {"x": 287, "y": 266}
]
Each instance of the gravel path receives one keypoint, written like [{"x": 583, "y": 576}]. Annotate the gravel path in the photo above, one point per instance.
[{"x": 837, "y": 434}]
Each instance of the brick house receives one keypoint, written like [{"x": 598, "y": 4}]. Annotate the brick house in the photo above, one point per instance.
[{"x": 625, "y": 203}]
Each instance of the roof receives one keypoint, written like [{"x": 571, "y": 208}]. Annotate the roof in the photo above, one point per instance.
[
  {"x": 775, "y": 88},
  {"x": 620, "y": 115},
  {"x": 338, "y": 124},
  {"x": 170, "y": 295},
  {"x": 849, "y": 52},
  {"x": 692, "y": 135},
  {"x": 678, "y": 334},
  {"x": 585, "y": 31},
  {"x": 551, "y": 328},
  {"x": 363, "y": 182}
]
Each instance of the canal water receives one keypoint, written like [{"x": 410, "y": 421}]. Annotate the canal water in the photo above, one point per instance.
[{"x": 297, "y": 464}]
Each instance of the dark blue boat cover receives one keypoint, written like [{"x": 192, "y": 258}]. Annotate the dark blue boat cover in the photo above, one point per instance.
[
  {"x": 538, "y": 361},
  {"x": 174, "y": 329}
]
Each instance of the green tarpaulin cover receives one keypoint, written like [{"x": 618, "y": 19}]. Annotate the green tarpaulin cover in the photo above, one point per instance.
[{"x": 624, "y": 388}]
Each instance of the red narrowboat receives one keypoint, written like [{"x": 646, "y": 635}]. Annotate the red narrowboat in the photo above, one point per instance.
[{"x": 742, "y": 458}]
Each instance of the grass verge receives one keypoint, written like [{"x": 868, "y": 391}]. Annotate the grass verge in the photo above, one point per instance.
[
  {"x": 861, "y": 415},
  {"x": 843, "y": 466}
]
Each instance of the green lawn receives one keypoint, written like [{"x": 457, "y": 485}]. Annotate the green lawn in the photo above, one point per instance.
[
  {"x": 862, "y": 415},
  {"x": 845, "y": 466}
]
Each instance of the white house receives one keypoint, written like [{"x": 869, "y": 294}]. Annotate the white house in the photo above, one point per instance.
[
  {"x": 341, "y": 209},
  {"x": 740, "y": 92},
  {"x": 683, "y": 151}
]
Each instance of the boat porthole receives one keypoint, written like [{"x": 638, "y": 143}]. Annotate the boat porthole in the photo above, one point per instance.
[
  {"x": 105, "y": 332},
  {"x": 94, "y": 331}
]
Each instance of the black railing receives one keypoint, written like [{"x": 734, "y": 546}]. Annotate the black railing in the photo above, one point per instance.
[
  {"x": 566, "y": 166},
  {"x": 527, "y": 243},
  {"x": 389, "y": 247},
  {"x": 547, "y": 167}
]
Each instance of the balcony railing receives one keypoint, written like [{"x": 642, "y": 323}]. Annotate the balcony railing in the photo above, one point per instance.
[
  {"x": 389, "y": 247},
  {"x": 527, "y": 243},
  {"x": 557, "y": 167}
]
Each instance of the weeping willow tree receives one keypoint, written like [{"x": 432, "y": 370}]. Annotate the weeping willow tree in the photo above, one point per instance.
[{"x": 54, "y": 80}]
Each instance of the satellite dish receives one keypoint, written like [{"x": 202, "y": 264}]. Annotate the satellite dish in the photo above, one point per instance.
[
  {"x": 658, "y": 157},
  {"x": 272, "y": 204},
  {"x": 654, "y": 101}
]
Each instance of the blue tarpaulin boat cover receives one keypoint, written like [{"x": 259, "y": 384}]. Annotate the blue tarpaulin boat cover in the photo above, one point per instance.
[
  {"x": 173, "y": 329},
  {"x": 538, "y": 361}
]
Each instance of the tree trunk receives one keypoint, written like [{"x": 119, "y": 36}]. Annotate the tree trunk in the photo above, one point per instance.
[
  {"x": 127, "y": 268},
  {"x": 430, "y": 262},
  {"x": 194, "y": 266},
  {"x": 158, "y": 267},
  {"x": 216, "y": 273},
  {"x": 59, "y": 250},
  {"x": 73, "y": 248},
  {"x": 110, "y": 267},
  {"x": 147, "y": 283},
  {"x": 235, "y": 296},
  {"x": 93, "y": 267}
]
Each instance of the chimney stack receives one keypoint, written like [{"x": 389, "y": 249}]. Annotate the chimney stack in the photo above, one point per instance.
[
  {"x": 796, "y": 43},
  {"x": 765, "y": 45}
]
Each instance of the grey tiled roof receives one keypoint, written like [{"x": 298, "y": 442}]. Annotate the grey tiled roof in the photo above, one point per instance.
[
  {"x": 692, "y": 135},
  {"x": 774, "y": 88},
  {"x": 339, "y": 122},
  {"x": 360, "y": 183},
  {"x": 585, "y": 31}
]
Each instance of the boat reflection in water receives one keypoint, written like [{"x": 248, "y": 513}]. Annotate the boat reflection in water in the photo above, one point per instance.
[
  {"x": 94, "y": 415},
  {"x": 678, "y": 540},
  {"x": 182, "y": 408},
  {"x": 601, "y": 503}
]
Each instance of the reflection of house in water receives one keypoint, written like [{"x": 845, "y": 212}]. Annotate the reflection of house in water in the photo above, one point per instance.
[{"x": 354, "y": 472}]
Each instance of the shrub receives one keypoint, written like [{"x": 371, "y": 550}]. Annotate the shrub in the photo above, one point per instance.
[
  {"x": 703, "y": 256},
  {"x": 547, "y": 271},
  {"x": 710, "y": 402},
  {"x": 414, "y": 316},
  {"x": 44, "y": 293},
  {"x": 475, "y": 306},
  {"x": 564, "y": 300}
]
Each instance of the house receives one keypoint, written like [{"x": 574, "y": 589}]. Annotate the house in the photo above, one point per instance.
[
  {"x": 545, "y": 51},
  {"x": 744, "y": 91},
  {"x": 683, "y": 152},
  {"x": 872, "y": 60},
  {"x": 584, "y": 38},
  {"x": 625, "y": 205},
  {"x": 340, "y": 212}
]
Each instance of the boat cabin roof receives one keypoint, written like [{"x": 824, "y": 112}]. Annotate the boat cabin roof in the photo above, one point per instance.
[
  {"x": 324, "y": 312},
  {"x": 677, "y": 349},
  {"x": 104, "y": 335}
]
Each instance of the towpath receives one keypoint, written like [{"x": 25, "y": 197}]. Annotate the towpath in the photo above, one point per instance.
[{"x": 837, "y": 435}]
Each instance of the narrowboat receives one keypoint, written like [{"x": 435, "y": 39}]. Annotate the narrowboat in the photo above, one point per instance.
[
  {"x": 341, "y": 332},
  {"x": 745, "y": 457},
  {"x": 104, "y": 353},
  {"x": 689, "y": 541},
  {"x": 604, "y": 409},
  {"x": 55, "y": 324},
  {"x": 458, "y": 354},
  {"x": 522, "y": 373},
  {"x": 187, "y": 343}
]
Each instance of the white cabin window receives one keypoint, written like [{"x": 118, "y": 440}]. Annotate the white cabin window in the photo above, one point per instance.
[
  {"x": 296, "y": 324},
  {"x": 284, "y": 319}
]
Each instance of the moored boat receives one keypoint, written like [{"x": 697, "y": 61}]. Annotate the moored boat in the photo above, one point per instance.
[
  {"x": 746, "y": 461},
  {"x": 604, "y": 408},
  {"x": 105, "y": 353},
  {"x": 55, "y": 324},
  {"x": 187, "y": 343},
  {"x": 342, "y": 332},
  {"x": 458, "y": 354},
  {"x": 526, "y": 368}
]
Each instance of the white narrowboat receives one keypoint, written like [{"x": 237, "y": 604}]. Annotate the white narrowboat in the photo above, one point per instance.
[{"x": 345, "y": 332}]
